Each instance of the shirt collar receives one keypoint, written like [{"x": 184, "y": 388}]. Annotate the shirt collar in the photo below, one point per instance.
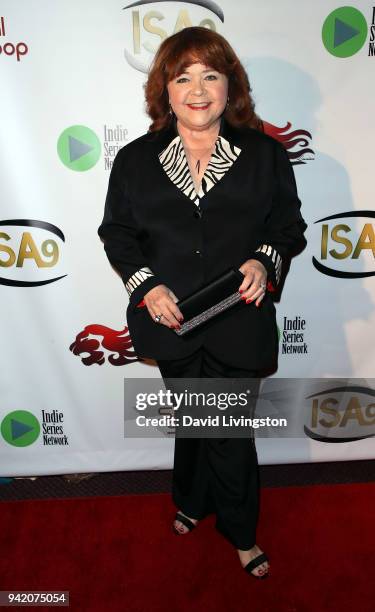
[{"x": 173, "y": 160}]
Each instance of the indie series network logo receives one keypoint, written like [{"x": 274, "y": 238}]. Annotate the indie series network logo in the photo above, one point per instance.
[
  {"x": 20, "y": 428},
  {"x": 78, "y": 148},
  {"x": 344, "y": 31}
]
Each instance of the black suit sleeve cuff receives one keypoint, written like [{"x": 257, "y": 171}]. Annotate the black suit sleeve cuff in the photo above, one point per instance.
[
  {"x": 271, "y": 260},
  {"x": 140, "y": 291}
]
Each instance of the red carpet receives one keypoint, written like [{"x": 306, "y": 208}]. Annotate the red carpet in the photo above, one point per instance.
[{"x": 119, "y": 553}]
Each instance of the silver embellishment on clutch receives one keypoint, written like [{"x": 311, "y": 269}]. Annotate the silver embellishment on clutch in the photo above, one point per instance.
[{"x": 209, "y": 313}]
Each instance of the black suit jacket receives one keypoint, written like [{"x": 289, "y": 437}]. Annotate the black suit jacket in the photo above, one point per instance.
[{"x": 157, "y": 230}]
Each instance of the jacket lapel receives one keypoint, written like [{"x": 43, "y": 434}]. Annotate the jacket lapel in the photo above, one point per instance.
[{"x": 174, "y": 163}]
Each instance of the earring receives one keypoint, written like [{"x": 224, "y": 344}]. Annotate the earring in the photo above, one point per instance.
[
  {"x": 228, "y": 102},
  {"x": 170, "y": 110}
]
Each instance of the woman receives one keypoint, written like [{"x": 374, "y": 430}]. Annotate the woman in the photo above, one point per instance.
[{"x": 203, "y": 191}]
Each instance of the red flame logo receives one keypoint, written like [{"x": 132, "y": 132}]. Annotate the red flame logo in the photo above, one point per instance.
[
  {"x": 94, "y": 338},
  {"x": 295, "y": 138}
]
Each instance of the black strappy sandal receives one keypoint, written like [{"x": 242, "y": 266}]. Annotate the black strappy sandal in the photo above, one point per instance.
[
  {"x": 185, "y": 521},
  {"x": 254, "y": 563}
]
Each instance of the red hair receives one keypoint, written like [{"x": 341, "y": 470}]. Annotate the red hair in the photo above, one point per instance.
[{"x": 190, "y": 46}]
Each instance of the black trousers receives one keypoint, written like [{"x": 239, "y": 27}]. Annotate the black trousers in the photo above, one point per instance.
[{"x": 216, "y": 475}]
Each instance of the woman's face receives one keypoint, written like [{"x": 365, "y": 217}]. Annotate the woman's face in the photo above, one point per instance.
[{"x": 198, "y": 96}]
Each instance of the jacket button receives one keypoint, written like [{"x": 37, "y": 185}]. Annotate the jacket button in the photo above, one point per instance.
[
  {"x": 197, "y": 214},
  {"x": 197, "y": 252}
]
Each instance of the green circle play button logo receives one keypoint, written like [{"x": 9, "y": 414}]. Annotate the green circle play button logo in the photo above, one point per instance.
[
  {"x": 20, "y": 428},
  {"x": 78, "y": 148},
  {"x": 344, "y": 31}
]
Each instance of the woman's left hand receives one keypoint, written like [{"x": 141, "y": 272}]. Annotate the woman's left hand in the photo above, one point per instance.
[{"x": 253, "y": 285}]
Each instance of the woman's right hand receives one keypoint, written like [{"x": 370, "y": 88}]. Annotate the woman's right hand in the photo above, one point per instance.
[{"x": 162, "y": 301}]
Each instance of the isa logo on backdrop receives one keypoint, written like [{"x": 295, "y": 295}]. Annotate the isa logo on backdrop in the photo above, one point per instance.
[
  {"x": 347, "y": 244},
  {"x": 30, "y": 253},
  {"x": 149, "y": 23}
]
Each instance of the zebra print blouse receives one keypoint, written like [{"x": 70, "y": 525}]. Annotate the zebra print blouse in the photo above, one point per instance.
[{"x": 174, "y": 162}]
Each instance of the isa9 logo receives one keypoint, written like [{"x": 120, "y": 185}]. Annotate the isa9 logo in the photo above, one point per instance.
[
  {"x": 347, "y": 244},
  {"x": 148, "y": 24},
  {"x": 30, "y": 253}
]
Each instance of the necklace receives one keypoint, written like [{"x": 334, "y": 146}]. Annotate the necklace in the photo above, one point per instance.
[{"x": 205, "y": 152}]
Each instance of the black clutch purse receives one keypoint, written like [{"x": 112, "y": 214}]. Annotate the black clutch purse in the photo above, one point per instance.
[{"x": 209, "y": 301}]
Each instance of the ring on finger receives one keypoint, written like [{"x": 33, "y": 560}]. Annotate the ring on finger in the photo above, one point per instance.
[
  {"x": 263, "y": 286},
  {"x": 158, "y": 317}
]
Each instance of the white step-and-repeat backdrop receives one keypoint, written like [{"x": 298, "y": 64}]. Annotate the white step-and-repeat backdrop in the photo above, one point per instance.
[{"x": 72, "y": 76}]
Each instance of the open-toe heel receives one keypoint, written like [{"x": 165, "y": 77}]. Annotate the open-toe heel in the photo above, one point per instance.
[
  {"x": 185, "y": 521},
  {"x": 255, "y": 563}
]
